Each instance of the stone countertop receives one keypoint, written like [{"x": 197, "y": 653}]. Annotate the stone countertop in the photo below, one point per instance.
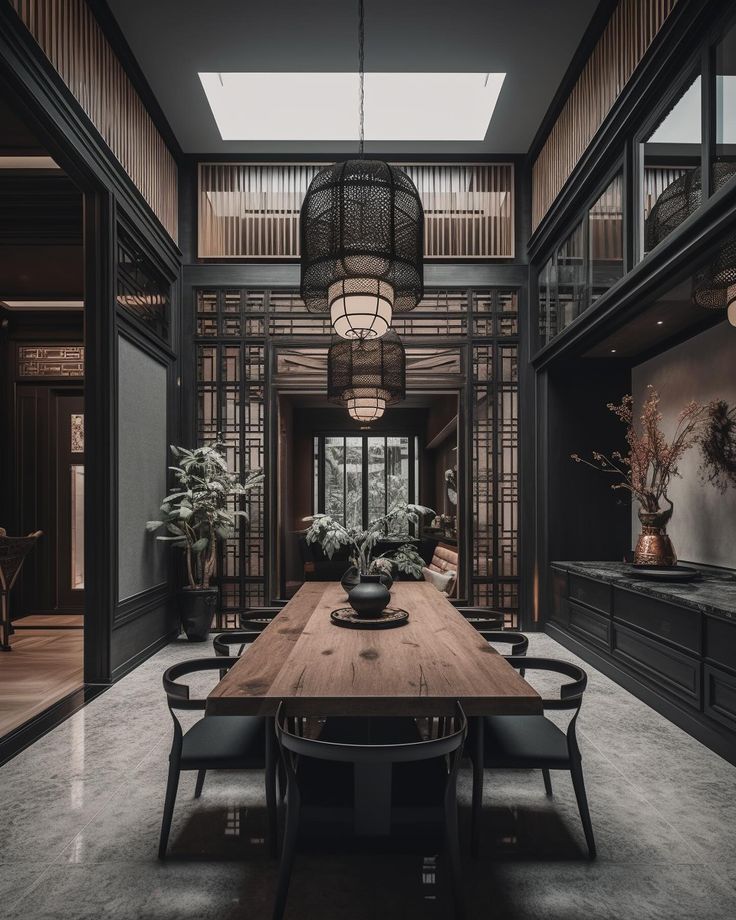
[{"x": 713, "y": 593}]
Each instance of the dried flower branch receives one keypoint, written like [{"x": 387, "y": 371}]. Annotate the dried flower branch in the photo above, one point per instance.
[{"x": 652, "y": 461}]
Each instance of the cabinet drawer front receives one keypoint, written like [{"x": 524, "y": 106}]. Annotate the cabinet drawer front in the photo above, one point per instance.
[
  {"x": 558, "y": 581},
  {"x": 592, "y": 593},
  {"x": 591, "y": 626},
  {"x": 660, "y": 619},
  {"x": 662, "y": 665},
  {"x": 720, "y": 696},
  {"x": 720, "y": 641}
]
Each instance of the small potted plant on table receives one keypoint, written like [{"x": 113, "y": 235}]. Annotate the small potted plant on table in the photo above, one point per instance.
[
  {"x": 367, "y": 569},
  {"x": 197, "y": 514}
]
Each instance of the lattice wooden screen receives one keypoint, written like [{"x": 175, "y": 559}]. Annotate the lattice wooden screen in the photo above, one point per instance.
[
  {"x": 472, "y": 328},
  {"x": 252, "y": 210}
]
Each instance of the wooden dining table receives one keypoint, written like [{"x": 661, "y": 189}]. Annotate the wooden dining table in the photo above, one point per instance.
[{"x": 420, "y": 669}]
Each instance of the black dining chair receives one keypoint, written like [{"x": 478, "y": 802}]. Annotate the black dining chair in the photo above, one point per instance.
[
  {"x": 518, "y": 641},
  {"x": 534, "y": 742},
  {"x": 212, "y": 743},
  {"x": 237, "y": 637},
  {"x": 258, "y": 618},
  {"x": 483, "y": 617},
  {"x": 443, "y": 750}
]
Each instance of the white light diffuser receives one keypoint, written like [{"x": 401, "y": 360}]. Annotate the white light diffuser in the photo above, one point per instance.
[{"x": 323, "y": 106}]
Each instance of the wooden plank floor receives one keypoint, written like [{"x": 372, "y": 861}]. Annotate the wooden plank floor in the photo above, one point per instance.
[
  {"x": 45, "y": 620},
  {"x": 44, "y": 666}
]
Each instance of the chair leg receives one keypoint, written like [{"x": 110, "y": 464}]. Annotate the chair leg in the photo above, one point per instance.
[
  {"x": 282, "y": 779},
  {"x": 453, "y": 851},
  {"x": 547, "y": 781},
  {"x": 576, "y": 771},
  {"x": 477, "y": 803},
  {"x": 271, "y": 806},
  {"x": 200, "y": 783},
  {"x": 172, "y": 786},
  {"x": 287, "y": 855}
]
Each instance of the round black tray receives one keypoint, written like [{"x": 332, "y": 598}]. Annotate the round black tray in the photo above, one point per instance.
[
  {"x": 387, "y": 619},
  {"x": 666, "y": 573}
]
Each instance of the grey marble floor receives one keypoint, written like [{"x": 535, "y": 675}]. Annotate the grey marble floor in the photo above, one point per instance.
[{"x": 81, "y": 809}]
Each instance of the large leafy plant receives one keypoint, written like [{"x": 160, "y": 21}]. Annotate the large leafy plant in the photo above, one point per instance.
[
  {"x": 200, "y": 509},
  {"x": 330, "y": 534}
]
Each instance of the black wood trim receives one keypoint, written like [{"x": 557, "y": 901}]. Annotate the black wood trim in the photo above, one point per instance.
[
  {"x": 146, "y": 653},
  {"x": 67, "y": 132},
  {"x": 708, "y": 733},
  {"x": 132, "y": 607},
  {"x": 679, "y": 36}
]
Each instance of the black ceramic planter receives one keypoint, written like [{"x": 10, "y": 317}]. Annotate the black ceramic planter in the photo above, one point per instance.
[
  {"x": 198, "y": 606},
  {"x": 351, "y": 578},
  {"x": 369, "y": 597}
]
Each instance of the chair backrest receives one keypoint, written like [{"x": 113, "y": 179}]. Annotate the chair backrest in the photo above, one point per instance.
[
  {"x": 571, "y": 695},
  {"x": 258, "y": 617},
  {"x": 483, "y": 617},
  {"x": 518, "y": 641},
  {"x": 449, "y": 742},
  {"x": 178, "y": 695},
  {"x": 13, "y": 551},
  {"x": 239, "y": 637}
]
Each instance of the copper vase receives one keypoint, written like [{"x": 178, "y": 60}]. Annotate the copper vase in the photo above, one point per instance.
[{"x": 654, "y": 547}]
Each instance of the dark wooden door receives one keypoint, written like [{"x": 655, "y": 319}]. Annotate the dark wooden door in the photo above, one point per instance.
[{"x": 49, "y": 465}]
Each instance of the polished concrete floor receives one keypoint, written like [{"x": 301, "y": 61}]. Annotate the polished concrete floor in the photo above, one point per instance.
[{"x": 81, "y": 810}]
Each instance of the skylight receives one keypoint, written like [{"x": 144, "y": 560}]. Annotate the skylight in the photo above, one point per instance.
[{"x": 324, "y": 106}]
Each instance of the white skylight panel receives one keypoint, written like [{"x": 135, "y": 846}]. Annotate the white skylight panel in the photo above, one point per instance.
[{"x": 324, "y": 106}]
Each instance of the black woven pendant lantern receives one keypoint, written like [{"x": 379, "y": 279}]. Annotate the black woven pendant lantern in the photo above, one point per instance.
[
  {"x": 715, "y": 286},
  {"x": 366, "y": 375},
  {"x": 362, "y": 241}
]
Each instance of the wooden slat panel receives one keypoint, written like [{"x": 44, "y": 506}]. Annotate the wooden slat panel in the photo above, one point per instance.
[
  {"x": 72, "y": 40},
  {"x": 628, "y": 35},
  {"x": 418, "y": 669},
  {"x": 252, "y": 210}
]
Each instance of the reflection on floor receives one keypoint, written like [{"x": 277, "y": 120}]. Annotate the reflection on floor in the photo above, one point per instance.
[
  {"x": 82, "y": 807},
  {"x": 45, "y": 665}
]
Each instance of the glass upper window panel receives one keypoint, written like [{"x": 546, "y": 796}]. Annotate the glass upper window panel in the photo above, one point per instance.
[
  {"x": 724, "y": 167},
  {"x": 672, "y": 181},
  {"x": 571, "y": 280},
  {"x": 606, "y": 239}
]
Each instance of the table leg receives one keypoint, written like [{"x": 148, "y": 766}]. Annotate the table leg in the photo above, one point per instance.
[
  {"x": 272, "y": 755},
  {"x": 372, "y": 791}
]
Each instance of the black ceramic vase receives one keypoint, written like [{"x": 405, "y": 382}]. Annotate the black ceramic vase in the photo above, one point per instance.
[{"x": 370, "y": 597}]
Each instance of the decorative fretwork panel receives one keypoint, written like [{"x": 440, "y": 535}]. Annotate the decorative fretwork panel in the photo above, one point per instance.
[
  {"x": 251, "y": 210},
  {"x": 451, "y": 327},
  {"x": 142, "y": 291},
  {"x": 65, "y": 361}
]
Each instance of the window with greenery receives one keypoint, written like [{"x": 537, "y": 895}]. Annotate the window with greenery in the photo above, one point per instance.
[
  {"x": 671, "y": 155},
  {"x": 359, "y": 478},
  {"x": 724, "y": 166}
]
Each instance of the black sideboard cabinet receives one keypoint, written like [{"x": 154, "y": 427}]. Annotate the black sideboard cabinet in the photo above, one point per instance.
[{"x": 671, "y": 645}]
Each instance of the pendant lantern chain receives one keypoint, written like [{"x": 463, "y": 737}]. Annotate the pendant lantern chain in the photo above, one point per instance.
[{"x": 361, "y": 76}]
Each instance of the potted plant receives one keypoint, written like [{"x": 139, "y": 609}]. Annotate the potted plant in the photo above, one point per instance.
[
  {"x": 330, "y": 534},
  {"x": 197, "y": 514},
  {"x": 647, "y": 468}
]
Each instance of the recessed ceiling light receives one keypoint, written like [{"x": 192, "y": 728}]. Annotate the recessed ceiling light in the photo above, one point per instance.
[
  {"x": 660, "y": 322},
  {"x": 613, "y": 351},
  {"x": 322, "y": 106}
]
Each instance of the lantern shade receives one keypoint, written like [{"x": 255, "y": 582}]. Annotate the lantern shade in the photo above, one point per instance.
[
  {"x": 714, "y": 286},
  {"x": 366, "y": 375},
  {"x": 361, "y": 308},
  {"x": 361, "y": 219}
]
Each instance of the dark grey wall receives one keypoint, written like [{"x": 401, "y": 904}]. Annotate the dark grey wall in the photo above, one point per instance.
[
  {"x": 142, "y": 462},
  {"x": 703, "y": 527}
]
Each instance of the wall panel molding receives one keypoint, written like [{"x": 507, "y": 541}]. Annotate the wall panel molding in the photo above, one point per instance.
[
  {"x": 631, "y": 30},
  {"x": 72, "y": 40}
]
